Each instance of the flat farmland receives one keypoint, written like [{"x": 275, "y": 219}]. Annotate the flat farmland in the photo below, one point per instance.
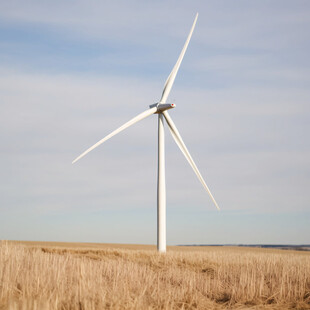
[{"x": 53, "y": 275}]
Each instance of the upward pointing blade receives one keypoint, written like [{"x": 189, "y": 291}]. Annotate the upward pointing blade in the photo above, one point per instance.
[
  {"x": 126, "y": 125},
  {"x": 172, "y": 75},
  {"x": 178, "y": 139}
]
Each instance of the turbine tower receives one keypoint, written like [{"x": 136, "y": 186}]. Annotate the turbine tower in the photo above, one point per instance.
[{"x": 161, "y": 108}]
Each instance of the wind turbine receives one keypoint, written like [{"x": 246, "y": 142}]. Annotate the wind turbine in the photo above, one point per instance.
[{"x": 161, "y": 108}]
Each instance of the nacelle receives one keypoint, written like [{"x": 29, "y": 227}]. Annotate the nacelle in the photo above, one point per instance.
[{"x": 161, "y": 107}]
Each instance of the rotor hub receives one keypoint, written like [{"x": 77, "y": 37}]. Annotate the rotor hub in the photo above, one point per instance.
[{"x": 161, "y": 107}]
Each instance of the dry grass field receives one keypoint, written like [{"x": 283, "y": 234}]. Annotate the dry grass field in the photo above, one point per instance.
[{"x": 37, "y": 275}]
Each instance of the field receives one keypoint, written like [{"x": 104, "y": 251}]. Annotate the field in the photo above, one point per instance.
[{"x": 42, "y": 275}]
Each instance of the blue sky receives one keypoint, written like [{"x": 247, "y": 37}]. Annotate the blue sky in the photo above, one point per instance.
[{"x": 73, "y": 71}]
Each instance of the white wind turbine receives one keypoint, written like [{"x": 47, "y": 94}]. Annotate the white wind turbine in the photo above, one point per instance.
[{"x": 161, "y": 108}]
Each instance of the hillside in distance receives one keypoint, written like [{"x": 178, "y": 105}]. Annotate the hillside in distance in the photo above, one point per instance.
[{"x": 296, "y": 247}]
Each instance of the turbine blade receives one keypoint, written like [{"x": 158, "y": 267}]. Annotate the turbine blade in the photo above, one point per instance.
[
  {"x": 178, "y": 139},
  {"x": 126, "y": 125},
  {"x": 172, "y": 75}
]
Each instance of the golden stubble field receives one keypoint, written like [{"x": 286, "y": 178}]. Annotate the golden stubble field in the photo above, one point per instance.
[{"x": 45, "y": 275}]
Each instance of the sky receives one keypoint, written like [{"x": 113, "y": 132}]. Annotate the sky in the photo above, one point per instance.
[{"x": 73, "y": 71}]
